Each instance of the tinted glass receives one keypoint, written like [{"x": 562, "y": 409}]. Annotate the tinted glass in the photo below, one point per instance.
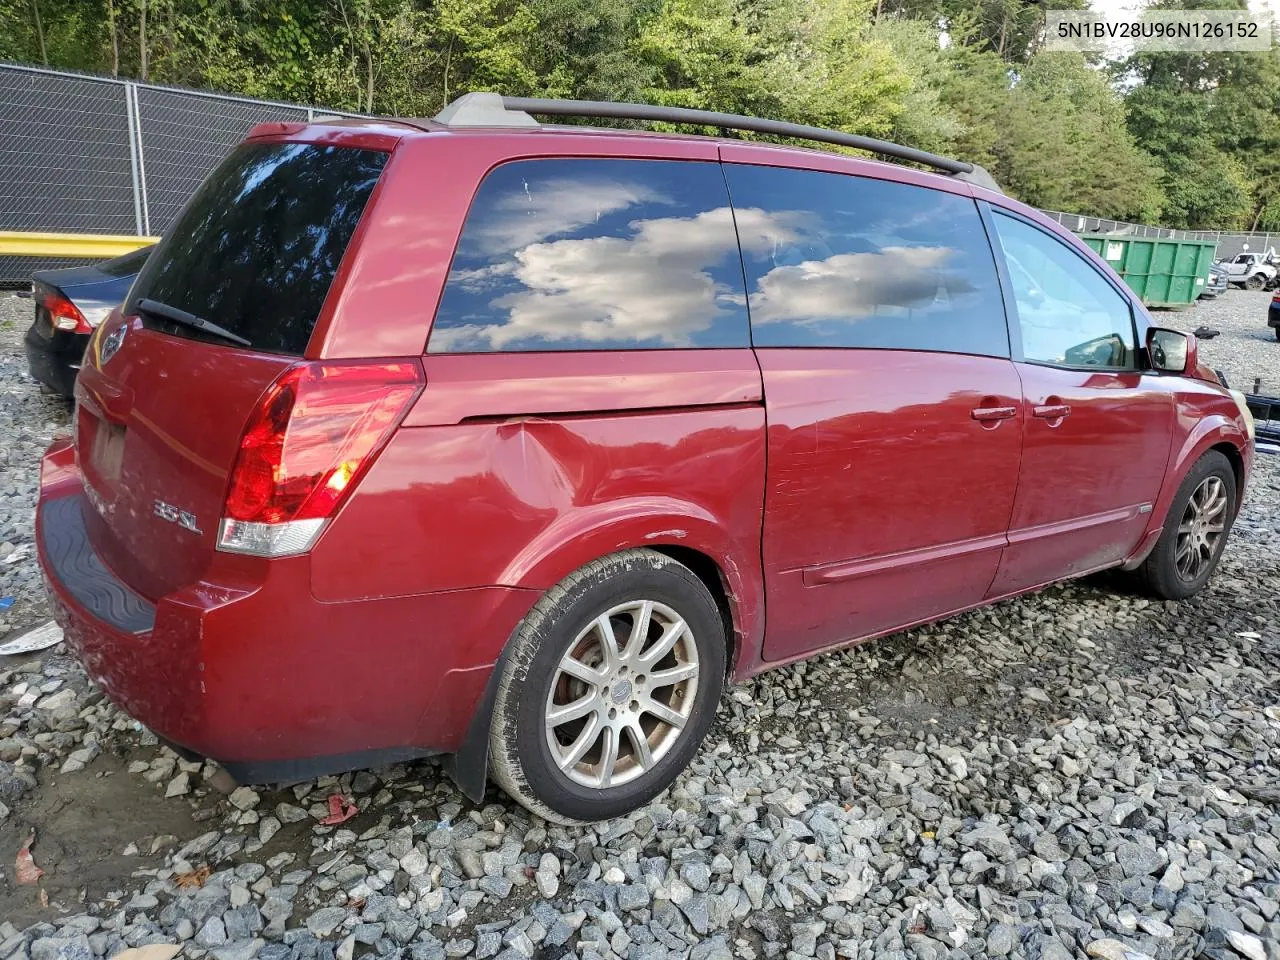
[
  {"x": 258, "y": 245},
  {"x": 1068, "y": 313},
  {"x": 841, "y": 261},
  {"x": 595, "y": 255}
]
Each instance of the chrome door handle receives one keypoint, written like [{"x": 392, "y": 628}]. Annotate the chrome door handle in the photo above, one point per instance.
[
  {"x": 1051, "y": 411},
  {"x": 988, "y": 414}
]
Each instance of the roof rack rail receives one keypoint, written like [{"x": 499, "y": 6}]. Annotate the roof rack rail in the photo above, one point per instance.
[{"x": 495, "y": 110}]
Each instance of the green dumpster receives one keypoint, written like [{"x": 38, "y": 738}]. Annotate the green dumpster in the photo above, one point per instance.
[{"x": 1164, "y": 273}]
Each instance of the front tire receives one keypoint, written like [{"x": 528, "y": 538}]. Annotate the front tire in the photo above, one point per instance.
[
  {"x": 1195, "y": 533},
  {"x": 609, "y": 686}
]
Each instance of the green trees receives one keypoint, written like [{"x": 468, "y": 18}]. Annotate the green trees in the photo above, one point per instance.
[
  {"x": 1175, "y": 138},
  {"x": 1065, "y": 145},
  {"x": 811, "y": 61},
  {"x": 1210, "y": 121},
  {"x": 1051, "y": 130}
]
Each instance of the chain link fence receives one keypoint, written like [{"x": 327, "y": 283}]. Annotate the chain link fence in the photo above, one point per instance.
[
  {"x": 1083, "y": 224},
  {"x": 1229, "y": 243},
  {"x": 86, "y": 154}
]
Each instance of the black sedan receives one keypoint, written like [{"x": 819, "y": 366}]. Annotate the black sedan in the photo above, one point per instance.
[
  {"x": 70, "y": 303},
  {"x": 1273, "y": 314}
]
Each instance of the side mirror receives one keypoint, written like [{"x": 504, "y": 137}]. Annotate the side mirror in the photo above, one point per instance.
[{"x": 1171, "y": 351}]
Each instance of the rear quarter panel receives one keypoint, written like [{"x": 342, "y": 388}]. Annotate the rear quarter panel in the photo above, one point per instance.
[
  {"x": 516, "y": 470},
  {"x": 499, "y": 479}
]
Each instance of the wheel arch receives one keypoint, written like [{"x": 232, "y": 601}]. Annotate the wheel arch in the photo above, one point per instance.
[
  {"x": 706, "y": 569},
  {"x": 684, "y": 532},
  {"x": 1236, "y": 459},
  {"x": 1215, "y": 432},
  {"x": 725, "y": 559}
]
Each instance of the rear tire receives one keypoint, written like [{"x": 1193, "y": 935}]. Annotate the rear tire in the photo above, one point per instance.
[
  {"x": 1195, "y": 532},
  {"x": 589, "y": 725},
  {"x": 1256, "y": 282},
  {"x": 1277, "y": 330}
]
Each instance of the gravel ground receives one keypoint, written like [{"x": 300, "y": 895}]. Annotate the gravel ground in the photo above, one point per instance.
[
  {"x": 1081, "y": 771},
  {"x": 28, "y": 421},
  {"x": 1246, "y": 350}
]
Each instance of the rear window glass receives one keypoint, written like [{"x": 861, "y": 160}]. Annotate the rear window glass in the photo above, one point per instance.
[{"x": 260, "y": 242}]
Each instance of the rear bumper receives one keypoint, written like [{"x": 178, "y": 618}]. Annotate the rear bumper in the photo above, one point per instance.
[
  {"x": 247, "y": 668},
  {"x": 1273, "y": 317},
  {"x": 55, "y": 360}
]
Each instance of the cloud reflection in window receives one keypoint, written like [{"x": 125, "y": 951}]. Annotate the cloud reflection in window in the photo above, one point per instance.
[
  {"x": 850, "y": 286},
  {"x": 594, "y": 254},
  {"x": 874, "y": 264}
]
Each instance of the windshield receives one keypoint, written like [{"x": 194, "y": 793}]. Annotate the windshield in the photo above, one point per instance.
[{"x": 259, "y": 244}]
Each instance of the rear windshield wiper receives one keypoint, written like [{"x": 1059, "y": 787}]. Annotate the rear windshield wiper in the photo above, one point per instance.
[{"x": 158, "y": 309}]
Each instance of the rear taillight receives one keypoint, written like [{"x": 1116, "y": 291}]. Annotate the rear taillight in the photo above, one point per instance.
[
  {"x": 63, "y": 314},
  {"x": 312, "y": 435},
  {"x": 1275, "y": 297}
]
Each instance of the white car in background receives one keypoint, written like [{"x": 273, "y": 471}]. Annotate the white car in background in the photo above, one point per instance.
[{"x": 1254, "y": 271}]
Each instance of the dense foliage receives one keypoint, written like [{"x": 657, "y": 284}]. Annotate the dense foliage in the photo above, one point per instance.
[{"x": 1173, "y": 138}]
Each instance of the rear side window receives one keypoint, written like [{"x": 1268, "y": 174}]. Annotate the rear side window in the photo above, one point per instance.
[
  {"x": 586, "y": 254},
  {"x": 1068, "y": 314},
  {"x": 257, "y": 248},
  {"x": 834, "y": 260}
]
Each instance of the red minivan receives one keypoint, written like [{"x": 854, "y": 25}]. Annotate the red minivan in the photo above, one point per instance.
[{"x": 515, "y": 442}]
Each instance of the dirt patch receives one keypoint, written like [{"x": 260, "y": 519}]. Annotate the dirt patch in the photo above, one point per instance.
[{"x": 82, "y": 822}]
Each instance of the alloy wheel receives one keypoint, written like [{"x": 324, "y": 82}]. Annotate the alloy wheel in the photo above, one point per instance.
[
  {"x": 622, "y": 694},
  {"x": 1203, "y": 524}
]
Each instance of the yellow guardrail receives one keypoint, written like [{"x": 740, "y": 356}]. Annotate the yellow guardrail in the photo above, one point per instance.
[{"x": 88, "y": 245}]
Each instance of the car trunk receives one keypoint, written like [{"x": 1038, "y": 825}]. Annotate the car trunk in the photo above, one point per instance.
[
  {"x": 157, "y": 432},
  {"x": 224, "y": 306}
]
